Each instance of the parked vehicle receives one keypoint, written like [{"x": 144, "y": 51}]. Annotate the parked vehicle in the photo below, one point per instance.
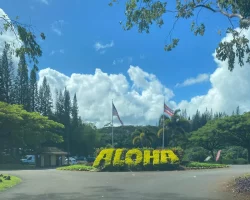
[
  {"x": 72, "y": 161},
  {"x": 29, "y": 159}
]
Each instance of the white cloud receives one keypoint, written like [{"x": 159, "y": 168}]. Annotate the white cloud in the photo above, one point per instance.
[
  {"x": 122, "y": 60},
  {"x": 102, "y": 47},
  {"x": 56, "y": 27},
  {"x": 53, "y": 52},
  {"x": 139, "y": 103},
  {"x": 139, "y": 98},
  {"x": 44, "y": 2},
  {"x": 191, "y": 81},
  {"x": 229, "y": 89}
]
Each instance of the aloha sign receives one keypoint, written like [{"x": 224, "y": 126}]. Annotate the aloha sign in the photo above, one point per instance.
[{"x": 135, "y": 157}]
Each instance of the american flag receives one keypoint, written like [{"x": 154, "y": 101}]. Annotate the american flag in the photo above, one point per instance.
[
  {"x": 115, "y": 113},
  {"x": 168, "y": 110}
]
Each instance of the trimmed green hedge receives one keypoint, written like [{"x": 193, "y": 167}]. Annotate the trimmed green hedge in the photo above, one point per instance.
[
  {"x": 198, "y": 165},
  {"x": 77, "y": 168}
]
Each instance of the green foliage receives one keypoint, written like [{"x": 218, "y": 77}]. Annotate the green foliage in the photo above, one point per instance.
[
  {"x": 197, "y": 154},
  {"x": 25, "y": 35},
  {"x": 143, "y": 14},
  {"x": 5, "y": 184},
  {"x": 209, "y": 137},
  {"x": 19, "y": 128},
  {"x": 143, "y": 137},
  {"x": 77, "y": 168},
  {"x": 33, "y": 91},
  {"x": 198, "y": 165}
]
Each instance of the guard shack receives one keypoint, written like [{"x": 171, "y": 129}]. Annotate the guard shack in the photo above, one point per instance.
[{"x": 48, "y": 157}]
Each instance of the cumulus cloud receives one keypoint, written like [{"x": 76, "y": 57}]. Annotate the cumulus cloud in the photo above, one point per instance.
[
  {"x": 229, "y": 89},
  {"x": 137, "y": 103},
  {"x": 56, "y": 27},
  {"x": 103, "y": 47},
  {"x": 191, "y": 81}
]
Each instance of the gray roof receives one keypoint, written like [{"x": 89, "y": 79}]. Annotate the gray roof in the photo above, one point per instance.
[{"x": 51, "y": 150}]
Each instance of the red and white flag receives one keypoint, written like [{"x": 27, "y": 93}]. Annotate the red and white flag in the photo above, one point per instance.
[
  {"x": 168, "y": 110},
  {"x": 218, "y": 155},
  {"x": 115, "y": 113}
]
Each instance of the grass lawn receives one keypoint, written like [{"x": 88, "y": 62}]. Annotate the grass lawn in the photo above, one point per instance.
[
  {"x": 5, "y": 184},
  {"x": 77, "y": 168},
  {"x": 198, "y": 165}
]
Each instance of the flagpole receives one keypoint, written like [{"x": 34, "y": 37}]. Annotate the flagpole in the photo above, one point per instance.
[
  {"x": 163, "y": 125},
  {"x": 112, "y": 126}
]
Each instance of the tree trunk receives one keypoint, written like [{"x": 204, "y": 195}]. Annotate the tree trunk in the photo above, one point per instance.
[
  {"x": 248, "y": 156},
  {"x": 212, "y": 153}
]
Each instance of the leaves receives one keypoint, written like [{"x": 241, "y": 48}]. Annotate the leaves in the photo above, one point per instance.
[{"x": 143, "y": 14}]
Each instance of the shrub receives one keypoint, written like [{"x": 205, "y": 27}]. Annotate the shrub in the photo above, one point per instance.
[
  {"x": 198, "y": 165},
  {"x": 196, "y": 154},
  {"x": 179, "y": 152},
  {"x": 136, "y": 159},
  {"x": 241, "y": 161}
]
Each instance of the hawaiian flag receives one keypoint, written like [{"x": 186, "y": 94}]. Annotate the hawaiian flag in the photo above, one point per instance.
[
  {"x": 115, "y": 113},
  {"x": 168, "y": 110},
  {"x": 218, "y": 155}
]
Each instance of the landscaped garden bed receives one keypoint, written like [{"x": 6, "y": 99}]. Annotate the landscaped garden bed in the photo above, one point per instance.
[
  {"x": 199, "y": 165},
  {"x": 77, "y": 168},
  {"x": 7, "y": 181}
]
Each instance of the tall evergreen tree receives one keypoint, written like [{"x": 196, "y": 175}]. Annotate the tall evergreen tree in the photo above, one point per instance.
[
  {"x": 33, "y": 90},
  {"x": 45, "y": 100},
  {"x": 74, "y": 112},
  {"x": 59, "y": 111},
  {"x": 66, "y": 117},
  {"x": 237, "y": 112},
  {"x": 22, "y": 84},
  {"x": 6, "y": 75}
]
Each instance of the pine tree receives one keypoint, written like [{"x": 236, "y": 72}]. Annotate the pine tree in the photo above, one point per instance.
[
  {"x": 6, "y": 75},
  {"x": 237, "y": 110},
  {"x": 74, "y": 112},
  {"x": 45, "y": 99},
  {"x": 59, "y": 111},
  {"x": 22, "y": 84},
  {"x": 33, "y": 90}
]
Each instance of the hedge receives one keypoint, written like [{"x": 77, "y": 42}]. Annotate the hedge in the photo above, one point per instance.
[{"x": 136, "y": 159}]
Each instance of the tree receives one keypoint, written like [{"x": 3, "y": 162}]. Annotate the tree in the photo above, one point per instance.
[
  {"x": 33, "y": 90},
  {"x": 237, "y": 130},
  {"x": 209, "y": 137},
  {"x": 175, "y": 130},
  {"x": 22, "y": 129},
  {"x": 44, "y": 99},
  {"x": 144, "y": 13},
  {"x": 59, "y": 112},
  {"x": 24, "y": 35},
  {"x": 143, "y": 137},
  {"x": 6, "y": 75},
  {"x": 66, "y": 117},
  {"x": 74, "y": 112},
  {"x": 22, "y": 84}
]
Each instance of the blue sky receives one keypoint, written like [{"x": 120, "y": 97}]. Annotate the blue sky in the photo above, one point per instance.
[
  {"x": 75, "y": 28},
  {"x": 81, "y": 24}
]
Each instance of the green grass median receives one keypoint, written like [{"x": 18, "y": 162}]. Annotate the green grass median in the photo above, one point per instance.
[{"x": 7, "y": 181}]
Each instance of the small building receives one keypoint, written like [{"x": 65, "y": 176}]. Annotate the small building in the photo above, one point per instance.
[{"x": 50, "y": 157}]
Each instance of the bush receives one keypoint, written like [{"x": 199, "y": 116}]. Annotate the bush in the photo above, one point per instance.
[
  {"x": 77, "y": 168},
  {"x": 136, "y": 159},
  {"x": 241, "y": 161},
  {"x": 198, "y": 165},
  {"x": 197, "y": 154}
]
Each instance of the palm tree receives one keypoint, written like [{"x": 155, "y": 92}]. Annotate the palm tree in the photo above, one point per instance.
[
  {"x": 143, "y": 137},
  {"x": 175, "y": 130}
]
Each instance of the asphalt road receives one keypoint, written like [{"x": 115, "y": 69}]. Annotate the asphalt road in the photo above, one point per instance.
[{"x": 172, "y": 185}]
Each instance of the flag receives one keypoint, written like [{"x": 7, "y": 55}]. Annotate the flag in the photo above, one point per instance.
[
  {"x": 115, "y": 113},
  {"x": 168, "y": 110},
  {"x": 218, "y": 155}
]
